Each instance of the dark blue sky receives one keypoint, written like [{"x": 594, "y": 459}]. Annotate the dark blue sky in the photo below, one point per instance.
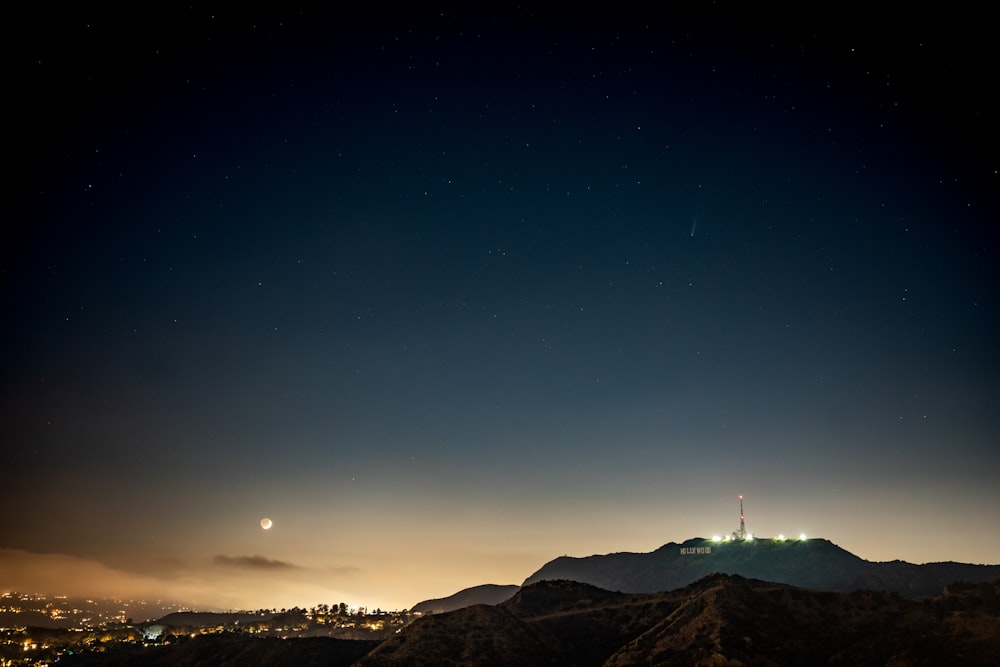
[{"x": 492, "y": 288}]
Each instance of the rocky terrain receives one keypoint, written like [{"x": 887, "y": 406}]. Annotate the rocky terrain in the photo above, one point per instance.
[{"x": 719, "y": 620}]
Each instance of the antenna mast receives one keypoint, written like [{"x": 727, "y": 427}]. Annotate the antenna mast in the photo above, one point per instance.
[{"x": 741, "y": 534}]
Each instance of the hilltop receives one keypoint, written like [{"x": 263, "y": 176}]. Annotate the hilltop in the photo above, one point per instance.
[
  {"x": 718, "y": 620},
  {"x": 485, "y": 594},
  {"x": 813, "y": 563},
  {"x": 809, "y": 563}
]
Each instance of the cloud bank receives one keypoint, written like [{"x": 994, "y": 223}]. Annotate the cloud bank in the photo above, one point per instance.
[{"x": 253, "y": 563}]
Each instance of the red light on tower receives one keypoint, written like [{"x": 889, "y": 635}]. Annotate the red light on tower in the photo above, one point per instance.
[{"x": 741, "y": 534}]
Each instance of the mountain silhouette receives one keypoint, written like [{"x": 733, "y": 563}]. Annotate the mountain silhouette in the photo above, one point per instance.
[
  {"x": 813, "y": 563},
  {"x": 485, "y": 594},
  {"x": 718, "y": 620}
]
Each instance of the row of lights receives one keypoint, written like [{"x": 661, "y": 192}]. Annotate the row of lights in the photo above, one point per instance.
[{"x": 749, "y": 537}]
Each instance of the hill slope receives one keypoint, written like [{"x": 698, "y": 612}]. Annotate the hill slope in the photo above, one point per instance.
[
  {"x": 814, "y": 563},
  {"x": 719, "y": 620},
  {"x": 485, "y": 594}
]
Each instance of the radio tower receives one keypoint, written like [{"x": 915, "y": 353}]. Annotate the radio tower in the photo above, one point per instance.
[{"x": 741, "y": 534}]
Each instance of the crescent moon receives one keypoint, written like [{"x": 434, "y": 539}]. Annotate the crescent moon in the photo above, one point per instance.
[{"x": 266, "y": 523}]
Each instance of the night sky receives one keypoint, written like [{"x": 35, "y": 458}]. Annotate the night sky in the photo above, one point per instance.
[{"x": 447, "y": 294}]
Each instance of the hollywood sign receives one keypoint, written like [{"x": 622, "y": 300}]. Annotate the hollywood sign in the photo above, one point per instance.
[{"x": 689, "y": 551}]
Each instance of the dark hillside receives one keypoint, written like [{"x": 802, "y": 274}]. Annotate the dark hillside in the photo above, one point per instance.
[
  {"x": 814, "y": 563},
  {"x": 718, "y": 620},
  {"x": 485, "y": 594}
]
